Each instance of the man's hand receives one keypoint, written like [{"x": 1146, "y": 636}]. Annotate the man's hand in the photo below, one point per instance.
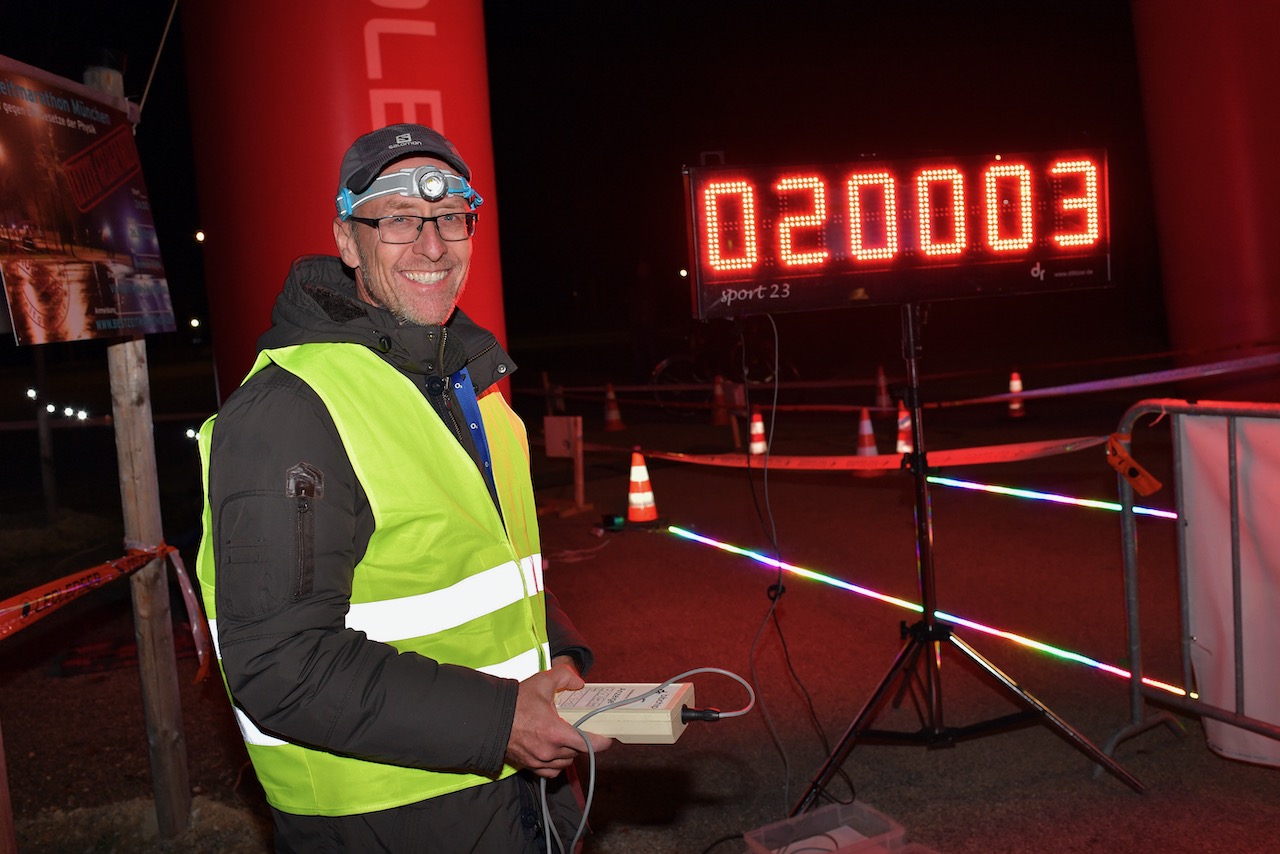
[{"x": 540, "y": 739}]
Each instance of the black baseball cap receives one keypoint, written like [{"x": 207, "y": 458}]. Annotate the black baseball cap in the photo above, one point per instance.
[{"x": 373, "y": 152}]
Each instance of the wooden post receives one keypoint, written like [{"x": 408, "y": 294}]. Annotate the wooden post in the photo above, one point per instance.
[
  {"x": 45, "y": 434},
  {"x": 140, "y": 499},
  {"x": 152, "y": 625},
  {"x": 564, "y": 439},
  {"x": 579, "y": 479},
  {"x": 546, "y": 393},
  {"x": 8, "y": 836},
  {"x": 554, "y": 395}
]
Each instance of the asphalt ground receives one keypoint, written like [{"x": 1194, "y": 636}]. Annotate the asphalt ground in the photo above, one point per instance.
[{"x": 656, "y": 605}]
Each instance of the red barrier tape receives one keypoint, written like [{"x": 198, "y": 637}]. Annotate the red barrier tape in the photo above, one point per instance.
[
  {"x": 18, "y": 612},
  {"x": 1120, "y": 460},
  {"x": 957, "y": 457},
  {"x": 26, "y": 608}
]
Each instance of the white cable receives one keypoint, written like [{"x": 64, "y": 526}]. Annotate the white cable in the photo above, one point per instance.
[
  {"x": 549, "y": 830},
  {"x": 155, "y": 62}
]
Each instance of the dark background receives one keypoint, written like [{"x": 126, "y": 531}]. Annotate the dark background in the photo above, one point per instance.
[{"x": 596, "y": 109}]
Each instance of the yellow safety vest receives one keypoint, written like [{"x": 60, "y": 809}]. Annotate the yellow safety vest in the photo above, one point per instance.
[{"x": 472, "y": 598}]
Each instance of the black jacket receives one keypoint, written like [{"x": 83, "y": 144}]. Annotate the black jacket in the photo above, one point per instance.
[{"x": 291, "y": 664}]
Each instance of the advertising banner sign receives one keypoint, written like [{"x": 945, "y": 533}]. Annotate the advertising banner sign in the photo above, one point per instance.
[{"x": 79, "y": 257}]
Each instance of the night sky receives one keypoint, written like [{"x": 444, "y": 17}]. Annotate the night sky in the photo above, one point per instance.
[
  {"x": 597, "y": 107},
  {"x": 624, "y": 100}
]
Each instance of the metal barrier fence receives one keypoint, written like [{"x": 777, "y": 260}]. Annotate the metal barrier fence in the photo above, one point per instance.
[{"x": 1227, "y": 706}]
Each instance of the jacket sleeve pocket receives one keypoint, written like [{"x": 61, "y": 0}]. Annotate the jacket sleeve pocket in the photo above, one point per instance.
[{"x": 265, "y": 546}]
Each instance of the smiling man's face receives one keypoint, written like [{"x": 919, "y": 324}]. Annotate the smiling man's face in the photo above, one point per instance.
[{"x": 418, "y": 282}]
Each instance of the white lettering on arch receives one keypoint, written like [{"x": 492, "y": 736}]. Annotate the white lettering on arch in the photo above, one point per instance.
[
  {"x": 417, "y": 106},
  {"x": 377, "y": 27}
]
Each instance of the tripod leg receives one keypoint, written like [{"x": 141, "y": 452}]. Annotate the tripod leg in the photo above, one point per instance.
[
  {"x": 906, "y": 655},
  {"x": 1062, "y": 727},
  {"x": 906, "y": 689}
]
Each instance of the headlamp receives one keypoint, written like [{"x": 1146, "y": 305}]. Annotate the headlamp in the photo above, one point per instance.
[
  {"x": 427, "y": 182},
  {"x": 432, "y": 185}
]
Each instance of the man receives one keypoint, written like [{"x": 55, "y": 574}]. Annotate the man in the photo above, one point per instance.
[{"x": 370, "y": 560}]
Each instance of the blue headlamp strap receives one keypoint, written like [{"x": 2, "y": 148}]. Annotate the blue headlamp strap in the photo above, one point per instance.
[
  {"x": 466, "y": 396},
  {"x": 425, "y": 182}
]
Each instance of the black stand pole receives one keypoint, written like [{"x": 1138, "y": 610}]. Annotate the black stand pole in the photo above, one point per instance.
[{"x": 924, "y": 640}]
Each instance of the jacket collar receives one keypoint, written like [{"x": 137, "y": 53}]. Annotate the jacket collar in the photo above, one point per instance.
[{"x": 319, "y": 304}]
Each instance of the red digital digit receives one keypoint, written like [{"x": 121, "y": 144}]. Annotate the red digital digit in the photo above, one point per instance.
[
  {"x": 1086, "y": 202},
  {"x": 724, "y": 252},
  {"x": 860, "y": 216},
  {"x": 815, "y": 219},
  {"x": 953, "y": 209},
  {"x": 1007, "y": 199},
  {"x": 870, "y": 231}
]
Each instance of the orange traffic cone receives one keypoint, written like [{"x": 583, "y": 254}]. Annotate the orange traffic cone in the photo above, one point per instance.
[
  {"x": 1015, "y": 403},
  {"x": 719, "y": 407},
  {"x": 866, "y": 443},
  {"x": 905, "y": 445},
  {"x": 640, "y": 504},
  {"x": 882, "y": 390},
  {"x": 758, "y": 443},
  {"x": 612, "y": 415}
]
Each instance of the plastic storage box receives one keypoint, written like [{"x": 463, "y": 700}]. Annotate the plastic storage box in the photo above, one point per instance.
[{"x": 841, "y": 828}]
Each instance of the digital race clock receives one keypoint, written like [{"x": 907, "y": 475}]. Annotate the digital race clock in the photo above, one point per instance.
[{"x": 800, "y": 238}]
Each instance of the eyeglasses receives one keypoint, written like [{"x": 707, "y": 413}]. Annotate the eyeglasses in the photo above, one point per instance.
[{"x": 404, "y": 228}]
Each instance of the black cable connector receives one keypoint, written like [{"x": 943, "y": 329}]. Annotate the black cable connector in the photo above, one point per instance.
[{"x": 688, "y": 715}]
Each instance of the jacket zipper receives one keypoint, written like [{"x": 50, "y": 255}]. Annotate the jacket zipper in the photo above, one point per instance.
[
  {"x": 446, "y": 395},
  {"x": 486, "y": 349},
  {"x": 305, "y": 482}
]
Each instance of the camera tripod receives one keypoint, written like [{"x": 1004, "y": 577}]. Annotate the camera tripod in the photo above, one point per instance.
[{"x": 925, "y": 639}]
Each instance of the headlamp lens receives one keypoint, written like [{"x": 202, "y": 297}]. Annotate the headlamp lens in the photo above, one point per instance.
[{"x": 432, "y": 186}]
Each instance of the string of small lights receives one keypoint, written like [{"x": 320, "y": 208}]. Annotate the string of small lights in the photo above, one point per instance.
[
  {"x": 76, "y": 412},
  {"x": 1022, "y": 640}
]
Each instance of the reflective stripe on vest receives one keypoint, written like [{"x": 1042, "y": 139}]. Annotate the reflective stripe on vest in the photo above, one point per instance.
[
  {"x": 517, "y": 668},
  {"x": 486, "y": 575}
]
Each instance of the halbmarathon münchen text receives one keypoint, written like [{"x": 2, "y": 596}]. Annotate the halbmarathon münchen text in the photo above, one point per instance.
[{"x": 57, "y": 102}]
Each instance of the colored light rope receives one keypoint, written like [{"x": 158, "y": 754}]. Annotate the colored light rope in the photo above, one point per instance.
[
  {"x": 1047, "y": 496},
  {"x": 1022, "y": 640}
]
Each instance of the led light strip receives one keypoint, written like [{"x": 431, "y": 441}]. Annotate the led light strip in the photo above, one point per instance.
[
  {"x": 1047, "y": 496},
  {"x": 911, "y": 606}
]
